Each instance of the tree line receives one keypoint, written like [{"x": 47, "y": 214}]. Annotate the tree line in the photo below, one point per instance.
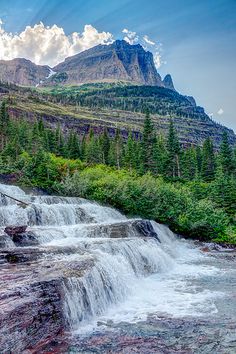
[
  {"x": 151, "y": 153},
  {"x": 192, "y": 189}
]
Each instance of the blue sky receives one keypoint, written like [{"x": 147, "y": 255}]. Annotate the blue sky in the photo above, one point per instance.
[{"x": 197, "y": 37}]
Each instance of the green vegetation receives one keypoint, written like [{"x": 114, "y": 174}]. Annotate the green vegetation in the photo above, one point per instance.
[
  {"x": 126, "y": 97},
  {"x": 193, "y": 189}
]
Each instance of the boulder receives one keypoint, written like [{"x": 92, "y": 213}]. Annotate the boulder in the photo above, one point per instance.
[
  {"x": 25, "y": 239},
  {"x": 15, "y": 230},
  {"x": 5, "y": 241},
  {"x": 145, "y": 228}
]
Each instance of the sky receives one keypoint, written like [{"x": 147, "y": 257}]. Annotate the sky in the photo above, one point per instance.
[{"x": 193, "y": 40}]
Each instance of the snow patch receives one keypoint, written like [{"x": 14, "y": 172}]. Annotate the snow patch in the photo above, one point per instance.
[{"x": 51, "y": 72}]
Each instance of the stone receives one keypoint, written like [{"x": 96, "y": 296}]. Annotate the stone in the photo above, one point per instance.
[
  {"x": 119, "y": 61},
  {"x": 25, "y": 239},
  {"x": 145, "y": 228},
  {"x": 15, "y": 230}
]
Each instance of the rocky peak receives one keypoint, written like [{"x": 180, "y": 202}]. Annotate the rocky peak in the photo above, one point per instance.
[
  {"x": 119, "y": 61},
  {"x": 168, "y": 82},
  {"x": 22, "y": 72}
]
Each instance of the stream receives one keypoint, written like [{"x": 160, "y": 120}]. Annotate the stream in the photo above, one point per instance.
[{"x": 83, "y": 278}]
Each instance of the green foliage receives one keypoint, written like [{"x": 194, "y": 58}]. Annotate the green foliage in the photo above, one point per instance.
[
  {"x": 125, "y": 97},
  {"x": 149, "y": 197},
  {"x": 226, "y": 155},
  {"x": 208, "y": 161},
  {"x": 192, "y": 189}
]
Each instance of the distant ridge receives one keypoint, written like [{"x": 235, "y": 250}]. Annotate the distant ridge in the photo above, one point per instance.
[{"x": 119, "y": 61}]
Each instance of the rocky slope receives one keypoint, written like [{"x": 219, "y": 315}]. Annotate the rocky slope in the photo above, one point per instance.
[
  {"x": 118, "y": 61},
  {"x": 114, "y": 110},
  {"x": 23, "y": 72}
]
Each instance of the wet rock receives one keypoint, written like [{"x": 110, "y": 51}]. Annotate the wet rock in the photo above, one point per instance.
[
  {"x": 5, "y": 241},
  {"x": 34, "y": 320},
  {"x": 118, "y": 230},
  {"x": 25, "y": 239},
  {"x": 22, "y": 256},
  {"x": 15, "y": 230},
  {"x": 145, "y": 228}
]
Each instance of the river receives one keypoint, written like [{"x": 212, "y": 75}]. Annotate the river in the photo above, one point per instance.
[{"x": 83, "y": 278}]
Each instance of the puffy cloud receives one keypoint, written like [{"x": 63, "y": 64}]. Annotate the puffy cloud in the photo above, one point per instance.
[
  {"x": 130, "y": 36},
  {"x": 220, "y": 112},
  {"x": 157, "y": 59},
  {"x": 48, "y": 44},
  {"x": 148, "y": 40}
]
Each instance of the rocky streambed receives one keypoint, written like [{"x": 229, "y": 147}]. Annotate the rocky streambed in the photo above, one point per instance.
[{"x": 76, "y": 277}]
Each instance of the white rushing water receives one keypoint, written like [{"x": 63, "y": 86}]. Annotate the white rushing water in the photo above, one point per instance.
[{"x": 129, "y": 276}]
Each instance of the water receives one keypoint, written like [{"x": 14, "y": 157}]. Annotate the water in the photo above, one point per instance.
[{"x": 111, "y": 275}]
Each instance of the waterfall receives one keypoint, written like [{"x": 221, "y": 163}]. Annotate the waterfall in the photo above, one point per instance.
[{"x": 102, "y": 258}]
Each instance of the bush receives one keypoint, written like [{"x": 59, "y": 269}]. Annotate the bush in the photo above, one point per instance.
[{"x": 149, "y": 197}]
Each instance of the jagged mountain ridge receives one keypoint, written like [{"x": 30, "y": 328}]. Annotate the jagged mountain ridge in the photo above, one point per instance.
[
  {"x": 118, "y": 61},
  {"x": 23, "y": 72}
]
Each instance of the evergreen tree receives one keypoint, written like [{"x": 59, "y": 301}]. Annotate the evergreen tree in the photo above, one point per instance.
[
  {"x": 199, "y": 160},
  {"x": 129, "y": 153},
  {"x": 93, "y": 151},
  {"x": 208, "y": 161},
  {"x": 226, "y": 155},
  {"x": 159, "y": 155},
  {"x": 224, "y": 191},
  {"x": 117, "y": 149},
  {"x": 105, "y": 146},
  {"x": 4, "y": 117},
  {"x": 147, "y": 145},
  {"x": 173, "y": 153}
]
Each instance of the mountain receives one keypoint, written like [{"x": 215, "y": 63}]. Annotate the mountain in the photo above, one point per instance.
[
  {"x": 168, "y": 82},
  {"x": 110, "y": 105},
  {"x": 23, "y": 72},
  {"x": 118, "y": 61},
  {"x": 121, "y": 82}
]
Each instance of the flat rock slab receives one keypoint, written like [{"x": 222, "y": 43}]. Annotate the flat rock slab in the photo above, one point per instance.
[{"x": 15, "y": 230}]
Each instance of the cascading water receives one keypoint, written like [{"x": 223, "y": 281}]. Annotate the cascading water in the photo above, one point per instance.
[{"x": 100, "y": 264}]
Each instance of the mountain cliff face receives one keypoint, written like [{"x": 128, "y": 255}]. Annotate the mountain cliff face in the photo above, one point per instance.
[
  {"x": 118, "y": 61},
  {"x": 168, "y": 82},
  {"x": 21, "y": 71}
]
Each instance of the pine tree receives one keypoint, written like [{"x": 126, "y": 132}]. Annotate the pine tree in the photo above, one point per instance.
[
  {"x": 129, "y": 153},
  {"x": 226, "y": 155},
  {"x": 208, "y": 161},
  {"x": 199, "y": 160},
  {"x": 173, "y": 153},
  {"x": 4, "y": 120},
  {"x": 224, "y": 191},
  {"x": 189, "y": 164},
  {"x": 4, "y": 117},
  {"x": 159, "y": 156},
  {"x": 118, "y": 149},
  {"x": 147, "y": 145},
  {"x": 105, "y": 146},
  {"x": 93, "y": 151}
]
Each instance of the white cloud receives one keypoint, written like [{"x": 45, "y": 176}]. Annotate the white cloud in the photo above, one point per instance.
[
  {"x": 48, "y": 44},
  {"x": 220, "y": 112},
  {"x": 130, "y": 36},
  {"x": 148, "y": 40}
]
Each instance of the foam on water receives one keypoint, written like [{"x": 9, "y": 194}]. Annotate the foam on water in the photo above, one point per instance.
[{"x": 130, "y": 276}]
